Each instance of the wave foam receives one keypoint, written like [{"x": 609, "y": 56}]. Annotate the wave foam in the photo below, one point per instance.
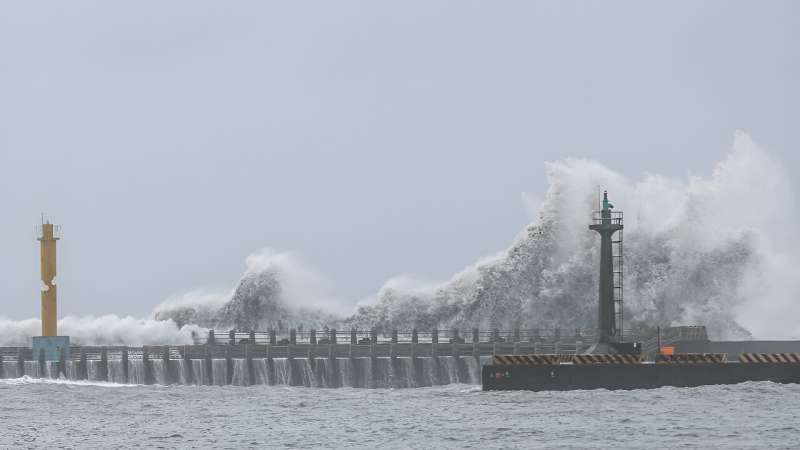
[{"x": 102, "y": 330}]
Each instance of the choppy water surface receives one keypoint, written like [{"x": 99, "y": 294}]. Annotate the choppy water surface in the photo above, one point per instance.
[{"x": 53, "y": 413}]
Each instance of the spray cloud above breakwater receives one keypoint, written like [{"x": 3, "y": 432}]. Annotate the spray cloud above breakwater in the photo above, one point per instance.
[
  {"x": 711, "y": 250},
  {"x": 697, "y": 251}
]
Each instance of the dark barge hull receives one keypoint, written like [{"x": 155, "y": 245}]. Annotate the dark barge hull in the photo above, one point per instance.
[{"x": 567, "y": 377}]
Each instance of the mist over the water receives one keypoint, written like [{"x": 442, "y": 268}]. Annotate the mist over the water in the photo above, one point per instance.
[{"x": 711, "y": 250}]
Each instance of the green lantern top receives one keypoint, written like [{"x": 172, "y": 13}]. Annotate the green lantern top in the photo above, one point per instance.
[{"x": 606, "y": 203}]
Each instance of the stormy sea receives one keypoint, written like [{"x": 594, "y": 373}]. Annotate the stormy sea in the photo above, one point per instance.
[{"x": 64, "y": 414}]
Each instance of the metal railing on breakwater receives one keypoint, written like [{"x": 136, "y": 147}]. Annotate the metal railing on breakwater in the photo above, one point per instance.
[{"x": 331, "y": 336}]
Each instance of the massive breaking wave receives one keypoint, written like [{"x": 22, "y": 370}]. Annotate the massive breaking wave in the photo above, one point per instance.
[
  {"x": 715, "y": 251},
  {"x": 697, "y": 251}
]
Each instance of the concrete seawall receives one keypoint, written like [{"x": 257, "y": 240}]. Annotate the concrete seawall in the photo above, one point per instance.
[
  {"x": 242, "y": 366},
  {"x": 324, "y": 358},
  {"x": 321, "y": 365}
]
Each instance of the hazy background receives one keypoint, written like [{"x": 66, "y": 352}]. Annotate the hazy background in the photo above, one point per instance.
[{"x": 172, "y": 139}]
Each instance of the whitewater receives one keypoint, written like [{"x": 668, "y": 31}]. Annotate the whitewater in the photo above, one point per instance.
[{"x": 715, "y": 251}]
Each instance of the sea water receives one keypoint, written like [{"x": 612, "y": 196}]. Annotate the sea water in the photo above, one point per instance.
[{"x": 46, "y": 413}]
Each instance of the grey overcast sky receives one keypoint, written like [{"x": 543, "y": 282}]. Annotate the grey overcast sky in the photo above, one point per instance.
[{"x": 172, "y": 139}]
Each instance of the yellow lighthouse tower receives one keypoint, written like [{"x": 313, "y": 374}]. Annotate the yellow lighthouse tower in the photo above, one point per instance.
[
  {"x": 49, "y": 346},
  {"x": 48, "y": 236}
]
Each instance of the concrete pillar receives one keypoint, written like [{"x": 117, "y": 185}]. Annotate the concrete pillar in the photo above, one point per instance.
[
  {"x": 273, "y": 337},
  {"x": 125, "y": 367},
  {"x": 232, "y": 337},
  {"x": 495, "y": 335},
  {"x": 290, "y": 365},
  {"x": 148, "y": 368},
  {"x": 373, "y": 361},
  {"x": 435, "y": 336},
  {"x": 416, "y": 364},
  {"x": 454, "y": 336},
  {"x": 21, "y": 362},
  {"x": 394, "y": 336},
  {"x": 476, "y": 336},
  {"x": 211, "y": 338},
  {"x": 208, "y": 369},
  {"x": 252, "y": 337},
  {"x": 42, "y": 364},
  {"x": 313, "y": 339},
  {"x": 517, "y": 335},
  {"x": 103, "y": 375},
  {"x": 373, "y": 336},
  {"x": 293, "y": 337},
  {"x": 270, "y": 366},
  {"x": 353, "y": 337},
  {"x": 228, "y": 366},
  {"x": 332, "y": 369},
  {"x": 62, "y": 362},
  {"x": 187, "y": 365},
  {"x": 83, "y": 368},
  {"x": 333, "y": 337},
  {"x": 169, "y": 377},
  {"x": 251, "y": 370}
]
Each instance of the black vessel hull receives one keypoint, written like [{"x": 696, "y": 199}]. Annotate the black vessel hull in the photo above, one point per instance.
[{"x": 565, "y": 377}]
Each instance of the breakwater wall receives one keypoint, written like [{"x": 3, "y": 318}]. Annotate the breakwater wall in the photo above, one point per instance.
[
  {"x": 315, "y": 363},
  {"x": 330, "y": 359},
  {"x": 151, "y": 367}
]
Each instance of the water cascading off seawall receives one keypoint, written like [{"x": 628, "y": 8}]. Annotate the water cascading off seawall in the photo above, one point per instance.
[{"x": 372, "y": 373}]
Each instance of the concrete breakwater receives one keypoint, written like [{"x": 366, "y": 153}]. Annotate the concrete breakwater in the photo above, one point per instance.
[
  {"x": 322, "y": 365},
  {"x": 170, "y": 366},
  {"x": 311, "y": 358},
  {"x": 323, "y": 373}
]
